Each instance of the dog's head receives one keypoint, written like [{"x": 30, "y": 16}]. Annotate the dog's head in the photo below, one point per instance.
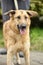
[{"x": 20, "y": 19}]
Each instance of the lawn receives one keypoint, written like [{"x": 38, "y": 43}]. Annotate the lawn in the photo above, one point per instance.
[
  {"x": 36, "y": 39},
  {"x": 36, "y": 36},
  {"x": 1, "y": 38}
]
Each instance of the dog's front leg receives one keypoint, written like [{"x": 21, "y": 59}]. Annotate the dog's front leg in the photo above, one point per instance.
[
  {"x": 10, "y": 55},
  {"x": 27, "y": 54}
]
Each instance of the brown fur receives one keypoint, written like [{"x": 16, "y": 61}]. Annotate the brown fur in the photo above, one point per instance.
[{"x": 14, "y": 41}]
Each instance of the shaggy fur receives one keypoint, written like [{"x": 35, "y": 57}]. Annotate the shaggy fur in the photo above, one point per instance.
[{"x": 15, "y": 38}]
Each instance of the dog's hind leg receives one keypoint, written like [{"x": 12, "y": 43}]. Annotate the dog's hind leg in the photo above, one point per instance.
[{"x": 18, "y": 59}]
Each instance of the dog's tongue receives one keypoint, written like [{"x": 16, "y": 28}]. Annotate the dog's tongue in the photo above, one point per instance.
[{"x": 22, "y": 31}]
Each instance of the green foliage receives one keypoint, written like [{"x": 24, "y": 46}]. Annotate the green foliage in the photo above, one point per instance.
[
  {"x": 0, "y": 15},
  {"x": 37, "y": 39},
  {"x": 1, "y": 38},
  {"x": 37, "y": 6}
]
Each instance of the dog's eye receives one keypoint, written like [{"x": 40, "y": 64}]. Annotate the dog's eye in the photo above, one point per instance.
[
  {"x": 26, "y": 17},
  {"x": 18, "y": 17}
]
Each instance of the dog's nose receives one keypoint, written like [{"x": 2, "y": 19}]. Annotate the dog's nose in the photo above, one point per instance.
[{"x": 23, "y": 26}]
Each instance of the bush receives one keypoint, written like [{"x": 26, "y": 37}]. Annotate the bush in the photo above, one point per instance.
[{"x": 37, "y": 6}]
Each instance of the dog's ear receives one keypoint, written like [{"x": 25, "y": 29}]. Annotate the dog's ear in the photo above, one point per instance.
[
  {"x": 32, "y": 13},
  {"x": 10, "y": 13}
]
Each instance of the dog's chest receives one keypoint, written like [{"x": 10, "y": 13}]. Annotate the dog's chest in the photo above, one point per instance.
[
  {"x": 17, "y": 37},
  {"x": 21, "y": 38}
]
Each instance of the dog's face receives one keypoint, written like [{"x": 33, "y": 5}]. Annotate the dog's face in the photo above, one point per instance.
[{"x": 20, "y": 20}]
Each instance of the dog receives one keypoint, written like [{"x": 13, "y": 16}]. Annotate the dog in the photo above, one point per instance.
[{"x": 16, "y": 34}]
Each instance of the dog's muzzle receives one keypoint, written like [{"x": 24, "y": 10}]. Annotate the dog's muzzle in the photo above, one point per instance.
[{"x": 22, "y": 28}]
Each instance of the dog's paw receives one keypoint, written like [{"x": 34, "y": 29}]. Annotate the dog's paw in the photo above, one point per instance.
[{"x": 18, "y": 62}]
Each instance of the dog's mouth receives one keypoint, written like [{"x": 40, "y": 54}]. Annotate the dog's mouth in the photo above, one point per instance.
[{"x": 22, "y": 29}]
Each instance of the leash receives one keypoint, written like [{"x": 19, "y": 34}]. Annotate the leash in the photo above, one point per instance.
[{"x": 16, "y": 4}]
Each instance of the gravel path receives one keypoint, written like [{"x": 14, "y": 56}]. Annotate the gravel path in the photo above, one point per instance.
[{"x": 36, "y": 59}]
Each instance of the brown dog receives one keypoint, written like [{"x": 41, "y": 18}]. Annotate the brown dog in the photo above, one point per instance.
[{"x": 16, "y": 34}]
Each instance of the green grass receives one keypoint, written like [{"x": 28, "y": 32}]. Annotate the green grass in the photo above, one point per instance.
[
  {"x": 37, "y": 39},
  {"x": 36, "y": 35},
  {"x": 1, "y": 38}
]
